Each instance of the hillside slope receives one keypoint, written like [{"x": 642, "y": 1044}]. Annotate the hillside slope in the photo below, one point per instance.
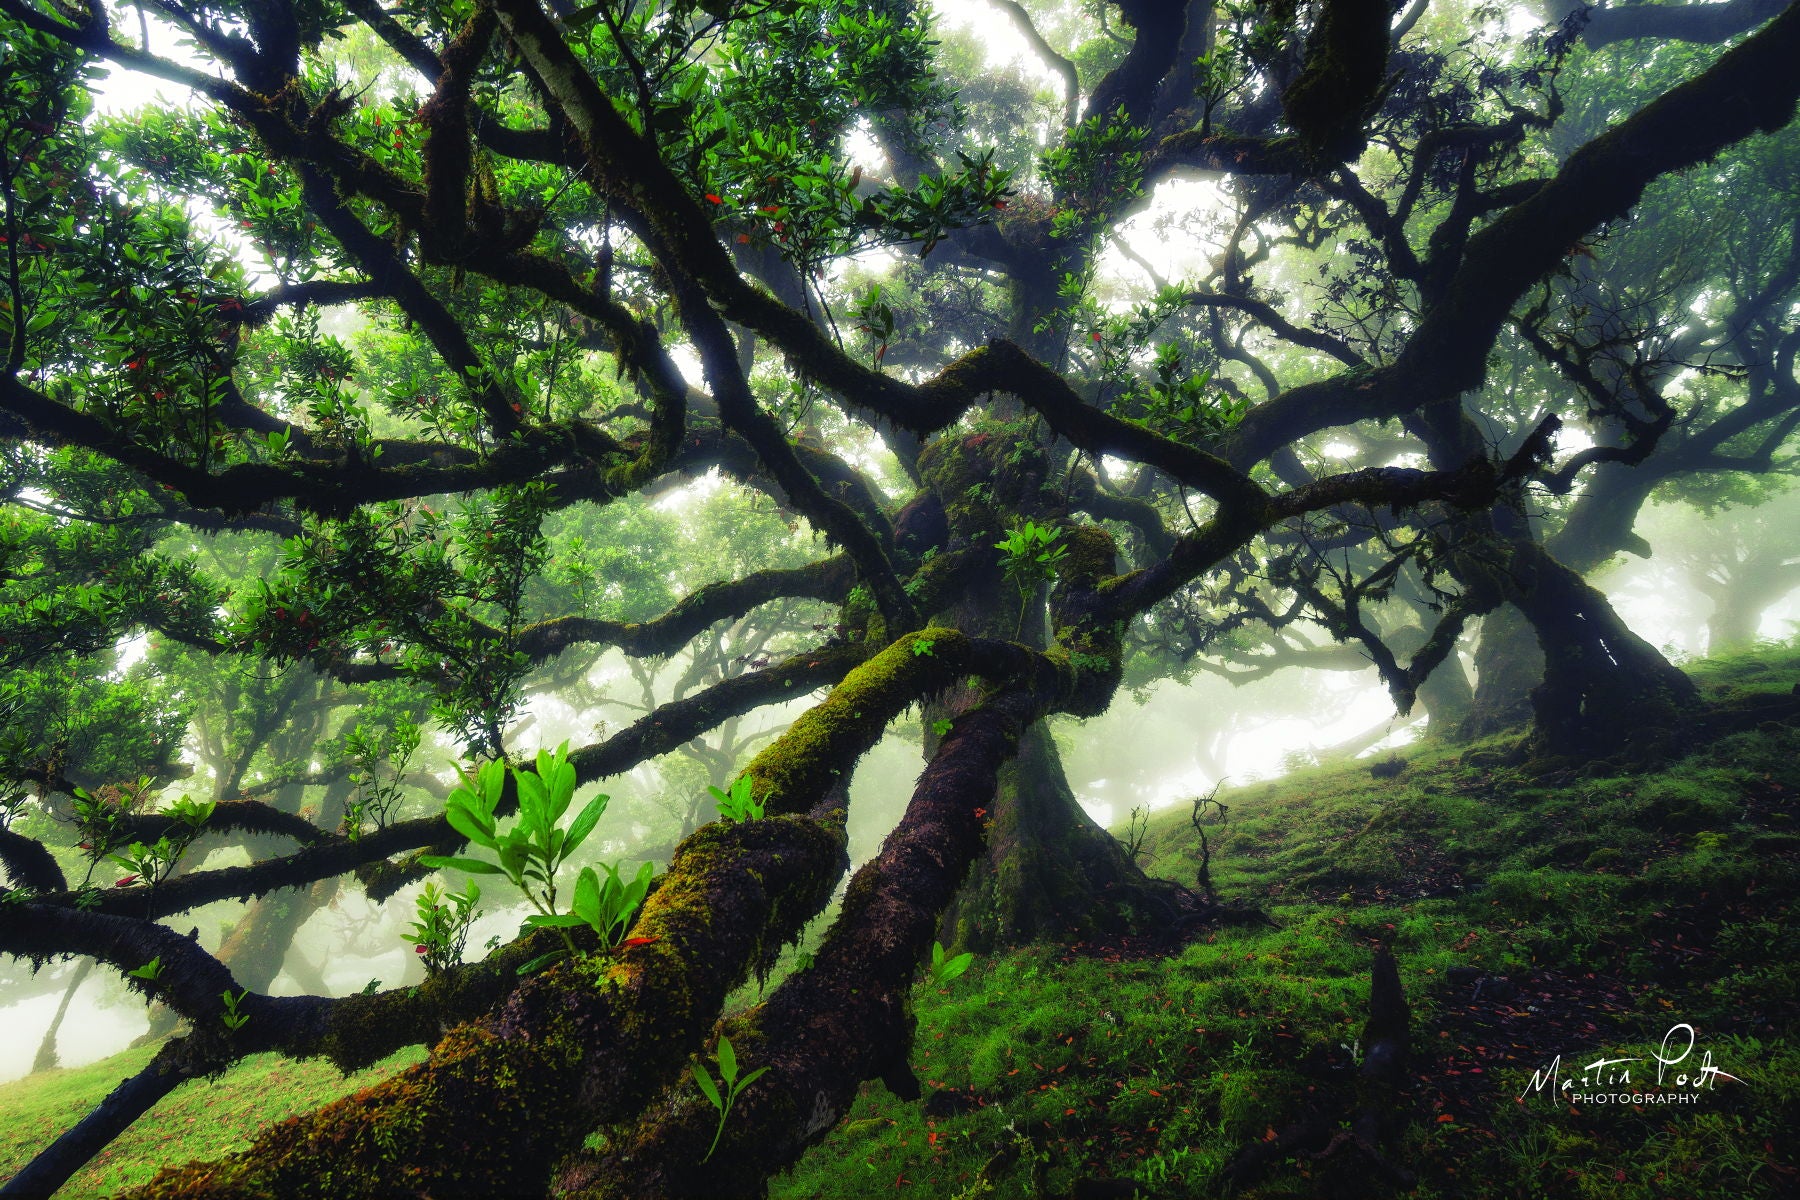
[{"x": 1584, "y": 915}]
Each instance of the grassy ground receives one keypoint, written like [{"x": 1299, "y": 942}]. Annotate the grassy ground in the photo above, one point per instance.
[
  {"x": 200, "y": 1119},
  {"x": 1581, "y": 915},
  {"x": 1531, "y": 917}
]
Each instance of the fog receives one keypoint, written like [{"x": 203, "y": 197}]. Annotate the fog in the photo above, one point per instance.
[{"x": 1178, "y": 740}]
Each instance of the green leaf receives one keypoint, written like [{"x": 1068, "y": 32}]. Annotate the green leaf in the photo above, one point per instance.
[
  {"x": 727, "y": 1060},
  {"x": 514, "y": 856},
  {"x": 541, "y": 961},
  {"x": 584, "y": 823},
  {"x": 561, "y": 782},
  {"x": 474, "y": 866},
  {"x": 492, "y": 781},
  {"x": 466, "y": 823},
  {"x": 749, "y": 1079},
  {"x": 587, "y": 898},
  {"x": 470, "y": 803},
  {"x": 707, "y": 1087},
  {"x": 534, "y": 804}
]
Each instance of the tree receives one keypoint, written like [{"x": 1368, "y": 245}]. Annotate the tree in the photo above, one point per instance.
[
  {"x": 541, "y": 216},
  {"x": 1680, "y": 350}
]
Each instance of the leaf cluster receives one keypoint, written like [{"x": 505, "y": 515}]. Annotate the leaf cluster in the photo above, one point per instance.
[{"x": 530, "y": 853}]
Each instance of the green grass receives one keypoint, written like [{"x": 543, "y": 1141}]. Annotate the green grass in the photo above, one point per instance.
[
  {"x": 1670, "y": 892},
  {"x": 200, "y": 1119},
  {"x": 1635, "y": 900}
]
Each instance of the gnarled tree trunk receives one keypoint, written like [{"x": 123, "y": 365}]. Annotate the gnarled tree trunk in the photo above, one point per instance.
[
  {"x": 1050, "y": 872},
  {"x": 1604, "y": 686}
]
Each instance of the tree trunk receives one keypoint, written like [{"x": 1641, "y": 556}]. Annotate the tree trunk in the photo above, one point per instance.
[
  {"x": 1748, "y": 590},
  {"x": 1605, "y": 688},
  {"x": 259, "y": 943},
  {"x": 1050, "y": 873},
  {"x": 1589, "y": 683},
  {"x": 1601, "y": 683},
  {"x": 1508, "y": 664},
  {"x": 1602, "y": 523},
  {"x": 46, "y": 1059}
]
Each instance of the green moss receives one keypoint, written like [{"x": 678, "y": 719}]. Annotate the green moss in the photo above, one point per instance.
[
  {"x": 354, "y": 1146},
  {"x": 804, "y": 762},
  {"x": 987, "y": 479},
  {"x": 621, "y": 1025},
  {"x": 1092, "y": 556},
  {"x": 1179, "y": 1060},
  {"x": 1164, "y": 1069}
]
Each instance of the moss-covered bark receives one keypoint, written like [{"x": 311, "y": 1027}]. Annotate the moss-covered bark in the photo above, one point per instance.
[
  {"x": 1341, "y": 83},
  {"x": 594, "y": 1040},
  {"x": 586, "y": 1042},
  {"x": 845, "y": 1019}
]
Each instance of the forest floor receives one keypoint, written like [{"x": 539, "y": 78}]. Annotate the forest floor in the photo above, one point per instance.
[
  {"x": 1580, "y": 913},
  {"x": 1590, "y": 914}
]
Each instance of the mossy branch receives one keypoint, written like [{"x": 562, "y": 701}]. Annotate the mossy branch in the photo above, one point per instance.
[
  {"x": 845, "y": 1019},
  {"x": 584, "y": 1043}
]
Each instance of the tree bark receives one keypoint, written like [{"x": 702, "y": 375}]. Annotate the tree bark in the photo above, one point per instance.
[
  {"x": 1605, "y": 688},
  {"x": 131, "y": 1099},
  {"x": 1050, "y": 872},
  {"x": 1602, "y": 684},
  {"x": 827, "y": 1028},
  {"x": 1508, "y": 664}
]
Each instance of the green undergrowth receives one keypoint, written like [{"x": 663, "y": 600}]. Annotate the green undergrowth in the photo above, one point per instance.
[
  {"x": 200, "y": 1119},
  {"x": 1604, "y": 907},
  {"x": 1609, "y": 904}
]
